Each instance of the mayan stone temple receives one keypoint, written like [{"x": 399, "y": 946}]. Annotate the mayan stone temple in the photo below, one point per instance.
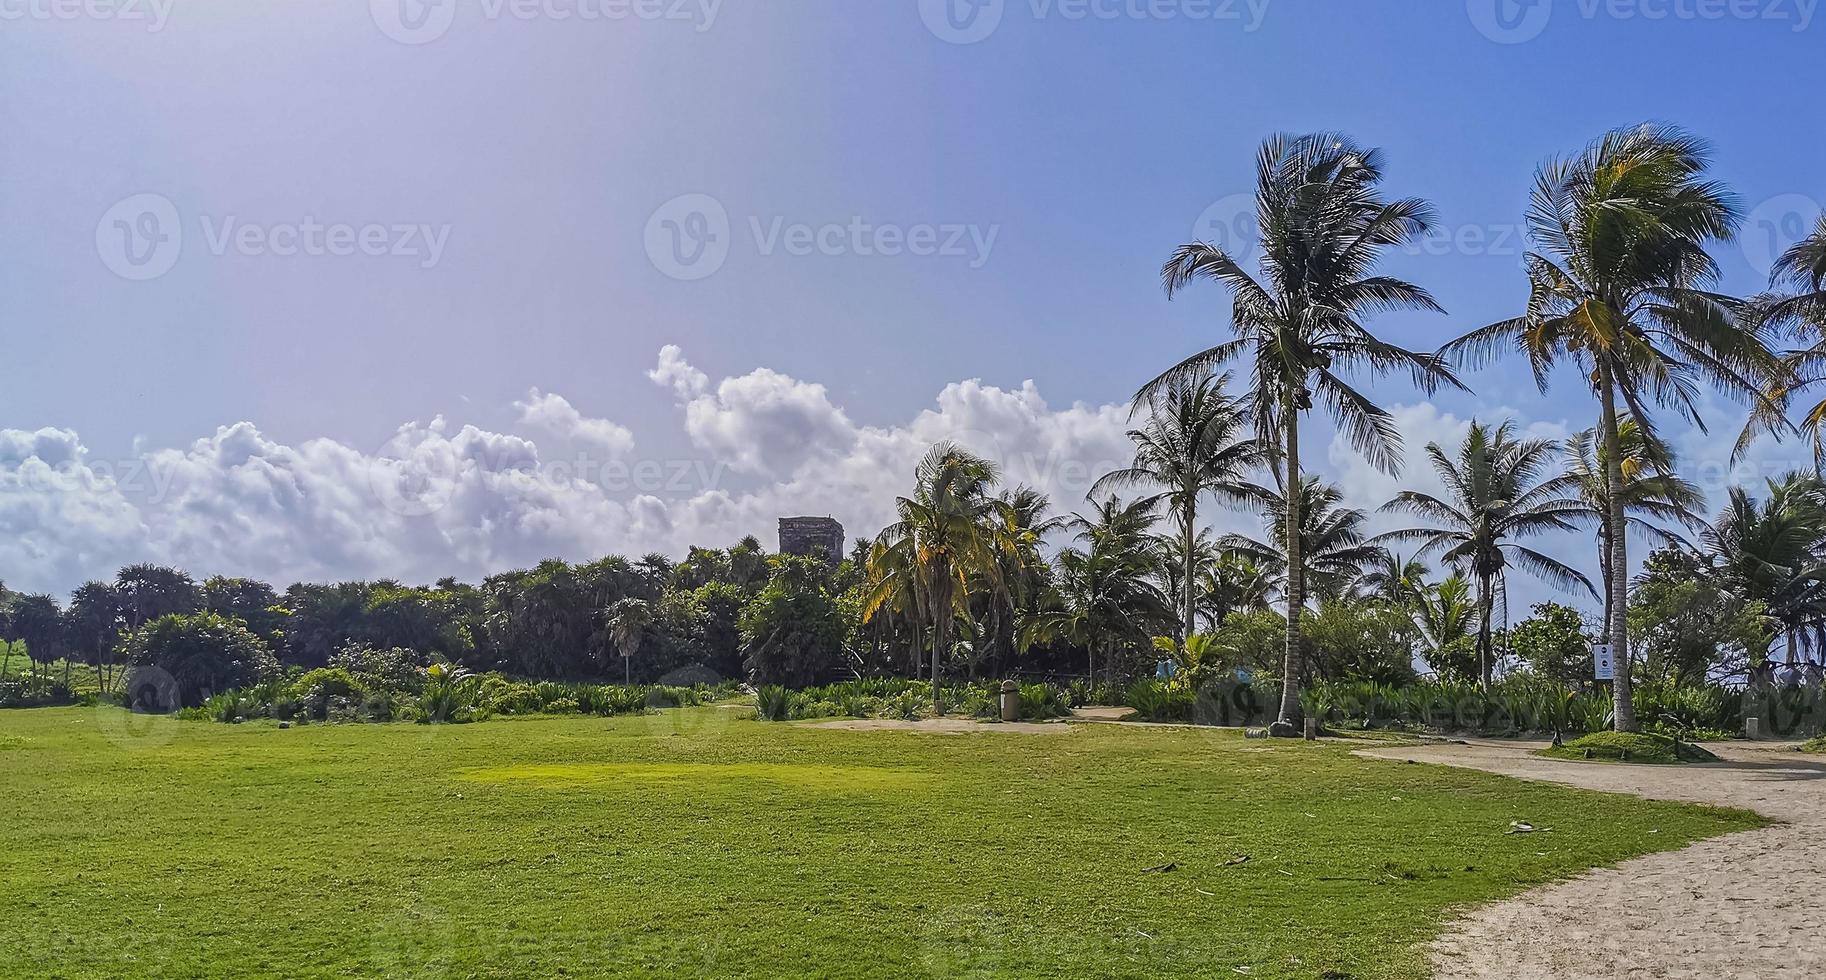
[{"x": 819, "y": 537}]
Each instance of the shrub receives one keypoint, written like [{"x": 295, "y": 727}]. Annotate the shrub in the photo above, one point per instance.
[
  {"x": 1628, "y": 747},
  {"x": 449, "y": 696},
  {"x": 773, "y": 703}
]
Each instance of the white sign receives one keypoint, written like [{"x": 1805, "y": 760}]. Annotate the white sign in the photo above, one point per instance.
[{"x": 1603, "y": 665}]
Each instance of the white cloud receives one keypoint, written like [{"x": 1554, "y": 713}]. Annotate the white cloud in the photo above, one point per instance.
[
  {"x": 552, "y": 413},
  {"x": 762, "y": 422}
]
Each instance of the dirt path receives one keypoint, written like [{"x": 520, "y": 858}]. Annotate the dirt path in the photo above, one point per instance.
[{"x": 1750, "y": 905}]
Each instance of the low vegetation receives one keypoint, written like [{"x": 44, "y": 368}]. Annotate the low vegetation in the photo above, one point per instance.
[
  {"x": 699, "y": 842},
  {"x": 1629, "y": 747}
]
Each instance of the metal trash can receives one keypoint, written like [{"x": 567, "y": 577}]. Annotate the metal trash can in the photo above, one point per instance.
[{"x": 1011, "y": 701}]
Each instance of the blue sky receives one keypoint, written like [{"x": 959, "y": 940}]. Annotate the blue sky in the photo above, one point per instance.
[{"x": 514, "y": 166}]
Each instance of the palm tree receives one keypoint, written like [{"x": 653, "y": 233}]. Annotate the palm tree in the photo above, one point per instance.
[
  {"x": 1798, "y": 309},
  {"x": 1233, "y": 583},
  {"x": 1649, "y": 496},
  {"x": 1332, "y": 541},
  {"x": 1192, "y": 445},
  {"x": 1446, "y": 615},
  {"x": 628, "y": 620},
  {"x": 949, "y": 534},
  {"x": 1395, "y": 581},
  {"x": 1024, "y": 573},
  {"x": 1772, "y": 552},
  {"x": 1301, "y": 324},
  {"x": 1104, "y": 597},
  {"x": 1497, "y": 491},
  {"x": 1618, "y": 286}
]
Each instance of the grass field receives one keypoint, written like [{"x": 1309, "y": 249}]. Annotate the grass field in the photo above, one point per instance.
[{"x": 698, "y": 843}]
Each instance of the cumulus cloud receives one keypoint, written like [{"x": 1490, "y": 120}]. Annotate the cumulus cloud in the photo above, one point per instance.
[
  {"x": 443, "y": 499},
  {"x": 552, "y": 413}
]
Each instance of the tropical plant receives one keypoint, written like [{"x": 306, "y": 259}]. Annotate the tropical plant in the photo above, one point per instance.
[
  {"x": 1103, "y": 598},
  {"x": 1797, "y": 310},
  {"x": 1301, "y": 321},
  {"x": 1332, "y": 543},
  {"x": 1192, "y": 445},
  {"x": 627, "y": 621},
  {"x": 1652, "y": 499},
  {"x": 1497, "y": 491},
  {"x": 1774, "y": 552},
  {"x": 1447, "y": 619},
  {"x": 196, "y": 656},
  {"x": 948, "y": 534},
  {"x": 448, "y": 697},
  {"x": 1620, "y": 286}
]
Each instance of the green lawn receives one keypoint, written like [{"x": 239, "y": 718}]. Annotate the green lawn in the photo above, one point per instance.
[{"x": 698, "y": 843}]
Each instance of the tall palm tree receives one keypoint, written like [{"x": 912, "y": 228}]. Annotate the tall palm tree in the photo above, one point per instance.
[
  {"x": 1300, "y": 320},
  {"x": 1332, "y": 542},
  {"x": 1024, "y": 572},
  {"x": 1192, "y": 445},
  {"x": 949, "y": 535},
  {"x": 1651, "y": 498},
  {"x": 1797, "y": 309},
  {"x": 1497, "y": 491},
  {"x": 1775, "y": 552},
  {"x": 1233, "y": 583},
  {"x": 1104, "y": 597},
  {"x": 1619, "y": 279}
]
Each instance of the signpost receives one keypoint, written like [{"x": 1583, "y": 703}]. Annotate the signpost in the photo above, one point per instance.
[{"x": 1603, "y": 665}]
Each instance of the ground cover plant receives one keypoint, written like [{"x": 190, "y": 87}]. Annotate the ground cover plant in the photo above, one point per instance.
[
  {"x": 1629, "y": 747},
  {"x": 699, "y": 842}
]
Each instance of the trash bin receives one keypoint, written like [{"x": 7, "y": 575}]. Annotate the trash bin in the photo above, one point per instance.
[{"x": 1011, "y": 701}]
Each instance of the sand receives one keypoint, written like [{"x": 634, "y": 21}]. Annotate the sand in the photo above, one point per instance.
[{"x": 1748, "y": 905}]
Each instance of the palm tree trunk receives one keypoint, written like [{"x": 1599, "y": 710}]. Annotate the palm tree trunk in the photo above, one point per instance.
[
  {"x": 1618, "y": 603},
  {"x": 1485, "y": 601},
  {"x": 1296, "y": 575},
  {"x": 941, "y": 623},
  {"x": 1187, "y": 591},
  {"x": 1604, "y": 557}
]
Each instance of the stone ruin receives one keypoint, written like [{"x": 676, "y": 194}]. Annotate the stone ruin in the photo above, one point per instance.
[{"x": 817, "y": 537}]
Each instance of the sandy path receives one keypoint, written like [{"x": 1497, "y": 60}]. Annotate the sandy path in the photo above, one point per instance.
[{"x": 1750, "y": 905}]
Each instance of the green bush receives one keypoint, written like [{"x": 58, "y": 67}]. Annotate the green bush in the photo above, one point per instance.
[
  {"x": 773, "y": 703},
  {"x": 1629, "y": 747}
]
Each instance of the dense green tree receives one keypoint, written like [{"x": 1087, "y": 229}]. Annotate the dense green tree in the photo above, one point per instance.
[
  {"x": 1691, "y": 626},
  {"x": 1552, "y": 642},
  {"x": 793, "y": 630},
  {"x": 150, "y": 591},
  {"x": 93, "y": 624},
  {"x": 181, "y": 660},
  {"x": 249, "y": 600}
]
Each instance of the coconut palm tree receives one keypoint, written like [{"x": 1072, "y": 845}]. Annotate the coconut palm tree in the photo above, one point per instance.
[
  {"x": 1651, "y": 498},
  {"x": 1233, "y": 583},
  {"x": 1193, "y": 444},
  {"x": 1300, "y": 321},
  {"x": 1393, "y": 580},
  {"x": 1024, "y": 571},
  {"x": 1619, "y": 286},
  {"x": 1775, "y": 552},
  {"x": 1446, "y": 615},
  {"x": 1104, "y": 597},
  {"x": 1332, "y": 541},
  {"x": 949, "y": 535},
  {"x": 1497, "y": 491},
  {"x": 1797, "y": 310}
]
